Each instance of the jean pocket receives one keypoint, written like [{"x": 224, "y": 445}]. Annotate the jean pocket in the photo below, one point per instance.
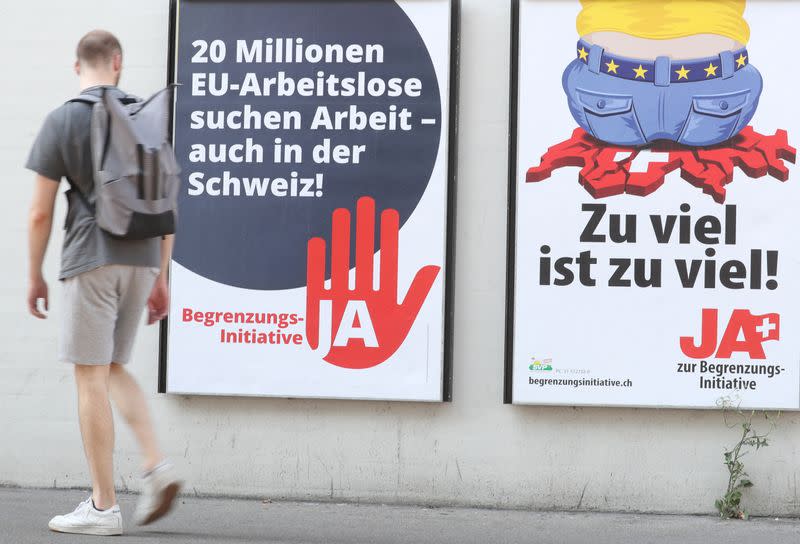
[
  {"x": 713, "y": 118},
  {"x": 611, "y": 118}
]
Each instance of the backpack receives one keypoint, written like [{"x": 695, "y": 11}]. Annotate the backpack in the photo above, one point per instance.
[{"x": 136, "y": 176}]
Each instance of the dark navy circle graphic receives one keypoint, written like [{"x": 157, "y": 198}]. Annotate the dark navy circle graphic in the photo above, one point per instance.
[{"x": 259, "y": 242}]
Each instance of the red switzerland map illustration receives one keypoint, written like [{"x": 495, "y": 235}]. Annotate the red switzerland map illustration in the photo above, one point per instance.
[{"x": 609, "y": 170}]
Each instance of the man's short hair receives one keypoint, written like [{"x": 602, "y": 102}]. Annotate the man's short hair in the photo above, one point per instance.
[{"x": 98, "y": 48}]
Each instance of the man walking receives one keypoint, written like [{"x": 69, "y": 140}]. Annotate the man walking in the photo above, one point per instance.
[{"x": 107, "y": 283}]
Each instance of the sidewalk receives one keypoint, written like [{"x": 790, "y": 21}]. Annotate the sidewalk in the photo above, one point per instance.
[{"x": 24, "y": 514}]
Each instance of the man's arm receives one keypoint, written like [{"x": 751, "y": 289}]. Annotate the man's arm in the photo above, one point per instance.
[
  {"x": 158, "y": 303},
  {"x": 40, "y": 223}
]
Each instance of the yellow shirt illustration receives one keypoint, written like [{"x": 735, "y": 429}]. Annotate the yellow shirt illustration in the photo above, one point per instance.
[
  {"x": 665, "y": 19},
  {"x": 651, "y": 70}
]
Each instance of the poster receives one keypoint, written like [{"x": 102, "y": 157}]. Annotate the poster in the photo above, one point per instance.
[
  {"x": 653, "y": 253},
  {"x": 311, "y": 257}
]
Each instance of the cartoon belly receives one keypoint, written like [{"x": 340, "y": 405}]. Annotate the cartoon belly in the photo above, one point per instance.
[
  {"x": 696, "y": 90},
  {"x": 686, "y": 47}
]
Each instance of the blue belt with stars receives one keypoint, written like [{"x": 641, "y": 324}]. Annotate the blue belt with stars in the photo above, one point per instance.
[{"x": 680, "y": 71}]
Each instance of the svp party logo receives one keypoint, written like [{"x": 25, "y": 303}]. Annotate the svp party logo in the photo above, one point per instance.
[
  {"x": 744, "y": 332},
  {"x": 540, "y": 365},
  {"x": 361, "y": 327},
  {"x": 643, "y": 116}
]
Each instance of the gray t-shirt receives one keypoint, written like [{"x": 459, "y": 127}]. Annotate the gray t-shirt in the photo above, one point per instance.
[{"x": 62, "y": 150}]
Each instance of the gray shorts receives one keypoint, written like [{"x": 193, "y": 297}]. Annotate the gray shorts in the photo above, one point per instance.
[{"x": 102, "y": 310}]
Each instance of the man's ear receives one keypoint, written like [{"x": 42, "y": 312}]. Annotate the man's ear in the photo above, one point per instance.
[
  {"x": 77, "y": 67},
  {"x": 117, "y": 63}
]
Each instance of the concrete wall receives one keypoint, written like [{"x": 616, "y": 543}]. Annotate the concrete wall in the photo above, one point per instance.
[{"x": 475, "y": 451}]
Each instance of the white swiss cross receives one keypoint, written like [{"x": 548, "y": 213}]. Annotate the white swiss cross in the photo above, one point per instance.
[
  {"x": 766, "y": 327},
  {"x": 642, "y": 161}
]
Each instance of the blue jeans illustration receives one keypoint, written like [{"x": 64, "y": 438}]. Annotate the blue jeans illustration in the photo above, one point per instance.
[{"x": 634, "y": 113}]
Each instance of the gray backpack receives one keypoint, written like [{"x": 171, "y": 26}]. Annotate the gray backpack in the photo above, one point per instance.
[{"x": 136, "y": 176}]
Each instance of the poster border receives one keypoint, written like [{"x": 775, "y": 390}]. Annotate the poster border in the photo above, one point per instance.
[
  {"x": 513, "y": 162},
  {"x": 172, "y": 51},
  {"x": 511, "y": 233},
  {"x": 450, "y": 202},
  {"x": 452, "y": 179}
]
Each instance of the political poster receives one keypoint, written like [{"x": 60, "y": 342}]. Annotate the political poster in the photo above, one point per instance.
[
  {"x": 315, "y": 142},
  {"x": 653, "y": 254}
]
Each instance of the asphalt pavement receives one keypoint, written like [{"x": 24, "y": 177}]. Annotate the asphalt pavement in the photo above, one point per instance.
[{"x": 24, "y": 514}]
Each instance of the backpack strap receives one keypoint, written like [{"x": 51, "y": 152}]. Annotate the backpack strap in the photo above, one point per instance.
[
  {"x": 86, "y": 99},
  {"x": 81, "y": 196},
  {"x": 93, "y": 99}
]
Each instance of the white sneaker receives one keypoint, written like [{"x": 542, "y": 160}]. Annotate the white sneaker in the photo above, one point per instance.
[
  {"x": 87, "y": 520},
  {"x": 159, "y": 489}
]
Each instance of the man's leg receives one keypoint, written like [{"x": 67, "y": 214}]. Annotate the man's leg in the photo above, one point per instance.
[
  {"x": 97, "y": 430},
  {"x": 130, "y": 401},
  {"x": 160, "y": 485},
  {"x": 90, "y": 313}
]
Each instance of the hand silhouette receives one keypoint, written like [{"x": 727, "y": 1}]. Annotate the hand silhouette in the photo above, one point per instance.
[{"x": 367, "y": 326}]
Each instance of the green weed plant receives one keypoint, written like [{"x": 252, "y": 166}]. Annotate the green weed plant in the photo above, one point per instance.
[{"x": 729, "y": 505}]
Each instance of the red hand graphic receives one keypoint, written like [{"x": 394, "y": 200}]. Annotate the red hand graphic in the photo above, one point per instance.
[{"x": 389, "y": 320}]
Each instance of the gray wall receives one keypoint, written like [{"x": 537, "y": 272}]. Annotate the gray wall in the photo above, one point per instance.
[{"x": 475, "y": 451}]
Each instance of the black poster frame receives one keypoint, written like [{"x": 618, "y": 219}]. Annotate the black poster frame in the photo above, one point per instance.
[
  {"x": 452, "y": 166},
  {"x": 508, "y": 378}
]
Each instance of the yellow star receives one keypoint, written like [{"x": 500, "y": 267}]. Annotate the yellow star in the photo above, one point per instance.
[
  {"x": 612, "y": 66},
  {"x": 741, "y": 60},
  {"x": 711, "y": 70},
  {"x": 583, "y": 54},
  {"x": 640, "y": 72},
  {"x": 683, "y": 73}
]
